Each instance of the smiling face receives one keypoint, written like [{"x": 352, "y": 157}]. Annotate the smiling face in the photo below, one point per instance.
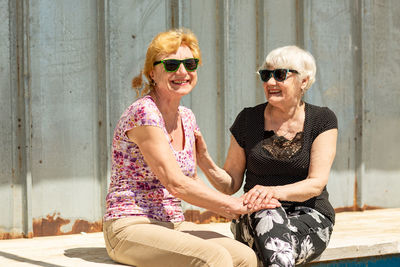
[
  {"x": 177, "y": 83},
  {"x": 285, "y": 93}
]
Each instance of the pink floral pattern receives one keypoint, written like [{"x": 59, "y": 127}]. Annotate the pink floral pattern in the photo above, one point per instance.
[{"x": 134, "y": 189}]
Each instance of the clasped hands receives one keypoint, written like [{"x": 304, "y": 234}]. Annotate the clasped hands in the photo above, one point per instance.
[{"x": 258, "y": 198}]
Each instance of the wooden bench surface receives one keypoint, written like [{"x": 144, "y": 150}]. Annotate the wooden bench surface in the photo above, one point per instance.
[{"x": 356, "y": 234}]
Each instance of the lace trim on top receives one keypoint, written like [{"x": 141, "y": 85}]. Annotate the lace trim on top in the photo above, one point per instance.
[{"x": 280, "y": 147}]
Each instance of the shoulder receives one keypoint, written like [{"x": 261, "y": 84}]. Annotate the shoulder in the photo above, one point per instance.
[
  {"x": 247, "y": 122},
  {"x": 323, "y": 113},
  {"x": 143, "y": 104},
  {"x": 142, "y": 112},
  {"x": 186, "y": 112},
  {"x": 321, "y": 118}
]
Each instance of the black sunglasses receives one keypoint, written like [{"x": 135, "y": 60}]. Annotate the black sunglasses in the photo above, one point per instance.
[
  {"x": 279, "y": 74},
  {"x": 172, "y": 65}
]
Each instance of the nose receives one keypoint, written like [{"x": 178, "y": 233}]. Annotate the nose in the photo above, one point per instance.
[
  {"x": 181, "y": 69},
  {"x": 271, "y": 81}
]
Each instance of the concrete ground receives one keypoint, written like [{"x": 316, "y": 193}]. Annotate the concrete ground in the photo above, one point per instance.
[{"x": 356, "y": 234}]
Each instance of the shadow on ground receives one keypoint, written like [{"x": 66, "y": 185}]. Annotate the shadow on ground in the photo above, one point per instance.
[
  {"x": 92, "y": 254},
  {"x": 26, "y": 260}
]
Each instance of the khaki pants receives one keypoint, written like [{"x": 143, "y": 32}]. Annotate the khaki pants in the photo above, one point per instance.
[{"x": 142, "y": 242}]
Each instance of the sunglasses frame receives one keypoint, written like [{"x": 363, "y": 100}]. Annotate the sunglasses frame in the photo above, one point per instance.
[
  {"x": 180, "y": 62},
  {"x": 272, "y": 73}
]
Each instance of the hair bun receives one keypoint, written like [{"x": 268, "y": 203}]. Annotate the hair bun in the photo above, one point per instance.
[{"x": 137, "y": 82}]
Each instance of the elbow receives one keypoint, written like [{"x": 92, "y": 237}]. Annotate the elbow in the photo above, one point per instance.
[
  {"x": 228, "y": 191},
  {"x": 317, "y": 189},
  {"x": 178, "y": 190},
  {"x": 232, "y": 189}
]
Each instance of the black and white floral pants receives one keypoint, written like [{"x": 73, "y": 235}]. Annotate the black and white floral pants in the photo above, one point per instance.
[{"x": 284, "y": 237}]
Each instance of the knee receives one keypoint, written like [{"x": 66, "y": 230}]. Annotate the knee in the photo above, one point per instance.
[
  {"x": 218, "y": 256},
  {"x": 246, "y": 258}
]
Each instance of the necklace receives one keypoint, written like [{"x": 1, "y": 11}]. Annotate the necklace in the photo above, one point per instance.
[
  {"x": 170, "y": 138},
  {"x": 169, "y": 132}
]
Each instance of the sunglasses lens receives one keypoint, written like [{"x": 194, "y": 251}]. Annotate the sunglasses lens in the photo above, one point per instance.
[
  {"x": 280, "y": 74},
  {"x": 265, "y": 75},
  {"x": 171, "y": 64},
  {"x": 191, "y": 64}
]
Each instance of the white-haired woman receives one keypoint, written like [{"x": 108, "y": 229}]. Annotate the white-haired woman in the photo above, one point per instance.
[{"x": 285, "y": 147}]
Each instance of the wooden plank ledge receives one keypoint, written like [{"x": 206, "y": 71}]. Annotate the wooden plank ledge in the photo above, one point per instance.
[
  {"x": 356, "y": 234},
  {"x": 364, "y": 234}
]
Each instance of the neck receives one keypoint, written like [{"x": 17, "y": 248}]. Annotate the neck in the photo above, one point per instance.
[
  {"x": 168, "y": 108},
  {"x": 284, "y": 112}
]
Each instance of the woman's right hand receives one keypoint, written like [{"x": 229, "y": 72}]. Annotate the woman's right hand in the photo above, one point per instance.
[
  {"x": 242, "y": 208},
  {"x": 261, "y": 197}
]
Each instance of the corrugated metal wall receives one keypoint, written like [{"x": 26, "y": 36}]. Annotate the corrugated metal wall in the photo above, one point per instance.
[{"x": 66, "y": 68}]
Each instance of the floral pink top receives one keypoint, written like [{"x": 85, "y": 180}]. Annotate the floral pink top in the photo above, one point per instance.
[{"x": 134, "y": 189}]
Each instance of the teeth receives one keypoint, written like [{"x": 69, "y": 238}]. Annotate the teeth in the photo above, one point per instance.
[{"x": 180, "y": 82}]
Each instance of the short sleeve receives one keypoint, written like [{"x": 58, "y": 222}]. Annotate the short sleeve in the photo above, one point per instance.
[
  {"x": 328, "y": 120},
  {"x": 142, "y": 112},
  {"x": 238, "y": 128}
]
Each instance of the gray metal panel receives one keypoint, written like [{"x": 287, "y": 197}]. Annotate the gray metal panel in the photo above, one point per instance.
[
  {"x": 65, "y": 78},
  {"x": 240, "y": 62},
  {"x": 328, "y": 33},
  {"x": 12, "y": 175},
  {"x": 208, "y": 90},
  {"x": 280, "y": 24},
  {"x": 132, "y": 25},
  {"x": 381, "y": 98},
  {"x": 63, "y": 51},
  {"x": 7, "y": 147}
]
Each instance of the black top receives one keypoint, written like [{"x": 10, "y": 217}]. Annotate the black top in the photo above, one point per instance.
[{"x": 271, "y": 167}]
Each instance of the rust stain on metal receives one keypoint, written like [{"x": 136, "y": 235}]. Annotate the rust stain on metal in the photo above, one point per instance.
[
  {"x": 5, "y": 235},
  {"x": 29, "y": 235},
  {"x": 51, "y": 225},
  {"x": 84, "y": 226},
  {"x": 203, "y": 217},
  {"x": 357, "y": 208},
  {"x": 355, "y": 205},
  {"x": 11, "y": 235}
]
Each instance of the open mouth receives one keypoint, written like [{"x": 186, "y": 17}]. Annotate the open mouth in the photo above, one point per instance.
[
  {"x": 274, "y": 92},
  {"x": 180, "y": 82}
]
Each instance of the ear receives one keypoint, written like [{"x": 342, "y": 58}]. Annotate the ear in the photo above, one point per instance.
[
  {"x": 304, "y": 82},
  {"x": 152, "y": 74}
]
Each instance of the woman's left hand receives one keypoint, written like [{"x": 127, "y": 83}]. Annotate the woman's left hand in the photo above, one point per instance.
[
  {"x": 261, "y": 197},
  {"x": 201, "y": 148}
]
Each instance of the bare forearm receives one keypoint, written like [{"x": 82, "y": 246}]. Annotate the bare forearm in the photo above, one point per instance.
[
  {"x": 217, "y": 176},
  {"x": 195, "y": 192},
  {"x": 300, "y": 191}
]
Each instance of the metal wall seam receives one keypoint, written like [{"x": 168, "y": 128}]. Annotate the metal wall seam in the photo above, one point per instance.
[
  {"x": 103, "y": 142},
  {"x": 228, "y": 63},
  {"x": 357, "y": 30},
  {"x": 25, "y": 81}
]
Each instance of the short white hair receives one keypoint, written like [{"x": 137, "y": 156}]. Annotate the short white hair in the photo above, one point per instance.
[{"x": 292, "y": 57}]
